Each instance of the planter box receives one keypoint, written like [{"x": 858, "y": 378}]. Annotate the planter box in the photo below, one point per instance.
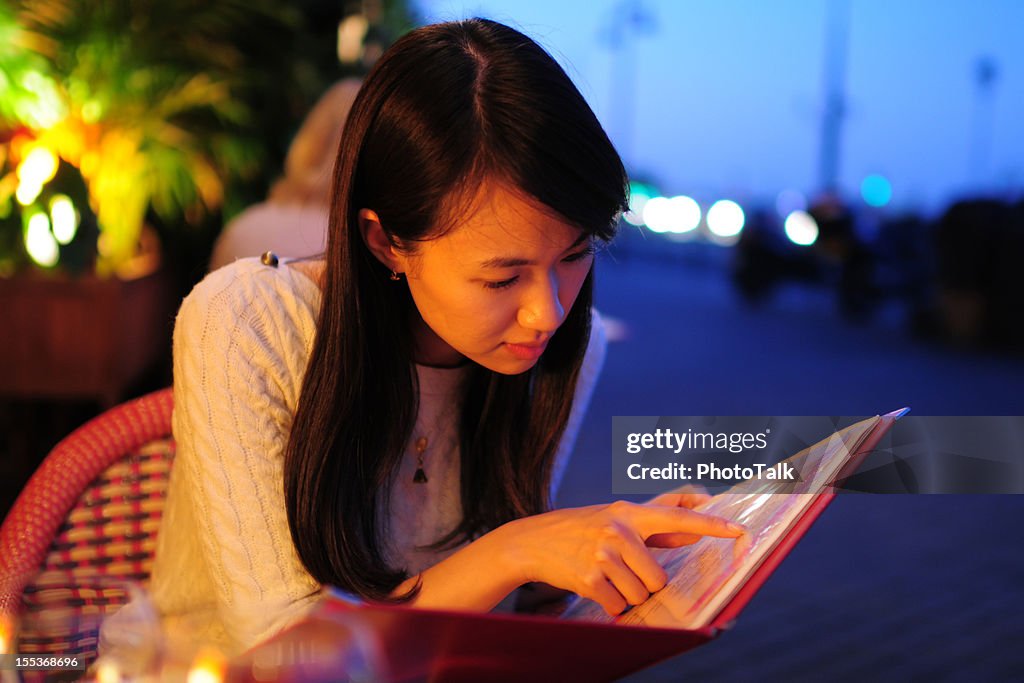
[{"x": 81, "y": 338}]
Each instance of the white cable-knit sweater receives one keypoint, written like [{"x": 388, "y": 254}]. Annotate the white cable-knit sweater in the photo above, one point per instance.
[{"x": 226, "y": 571}]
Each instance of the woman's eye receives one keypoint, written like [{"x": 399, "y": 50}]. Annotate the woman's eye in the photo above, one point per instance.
[
  {"x": 571, "y": 258},
  {"x": 580, "y": 255},
  {"x": 501, "y": 284}
]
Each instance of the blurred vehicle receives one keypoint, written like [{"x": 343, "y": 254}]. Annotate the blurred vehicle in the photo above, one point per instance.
[{"x": 866, "y": 261}]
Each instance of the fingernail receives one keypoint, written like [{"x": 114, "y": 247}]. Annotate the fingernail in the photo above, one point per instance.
[{"x": 738, "y": 528}]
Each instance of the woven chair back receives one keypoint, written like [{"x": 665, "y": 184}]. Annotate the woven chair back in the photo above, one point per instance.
[{"x": 84, "y": 529}]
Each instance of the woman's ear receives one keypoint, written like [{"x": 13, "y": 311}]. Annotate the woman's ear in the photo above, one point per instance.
[{"x": 377, "y": 241}]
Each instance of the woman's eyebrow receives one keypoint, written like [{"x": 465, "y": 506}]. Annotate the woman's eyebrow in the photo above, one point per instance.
[
  {"x": 513, "y": 262},
  {"x": 505, "y": 262}
]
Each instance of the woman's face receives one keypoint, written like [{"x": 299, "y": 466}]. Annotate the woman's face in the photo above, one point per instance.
[{"x": 496, "y": 287}]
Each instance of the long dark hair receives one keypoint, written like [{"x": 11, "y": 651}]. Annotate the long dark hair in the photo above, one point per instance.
[{"x": 447, "y": 107}]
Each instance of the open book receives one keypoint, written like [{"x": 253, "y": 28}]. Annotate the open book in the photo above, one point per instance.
[{"x": 705, "y": 576}]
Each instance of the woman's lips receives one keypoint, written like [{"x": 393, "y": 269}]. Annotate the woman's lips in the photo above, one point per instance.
[{"x": 526, "y": 351}]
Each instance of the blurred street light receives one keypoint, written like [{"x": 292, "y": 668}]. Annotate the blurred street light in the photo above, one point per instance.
[{"x": 626, "y": 19}]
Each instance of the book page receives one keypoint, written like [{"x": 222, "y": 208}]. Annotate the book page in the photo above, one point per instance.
[{"x": 705, "y": 575}]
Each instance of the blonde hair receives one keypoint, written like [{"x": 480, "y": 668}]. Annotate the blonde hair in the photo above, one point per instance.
[{"x": 307, "y": 168}]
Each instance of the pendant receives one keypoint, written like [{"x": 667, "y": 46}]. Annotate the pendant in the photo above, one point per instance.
[{"x": 421, "y": 446}]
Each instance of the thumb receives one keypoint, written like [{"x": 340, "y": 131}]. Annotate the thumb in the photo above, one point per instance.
[{"x": 686, "y": 499}]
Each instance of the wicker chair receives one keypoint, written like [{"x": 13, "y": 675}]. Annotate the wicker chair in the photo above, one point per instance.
[{"x": 84, "y": 525}]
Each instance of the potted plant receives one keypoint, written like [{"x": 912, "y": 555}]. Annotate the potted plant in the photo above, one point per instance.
[
  {"x": 119, "y": 115},
  {"x": 108, "y": 116}
]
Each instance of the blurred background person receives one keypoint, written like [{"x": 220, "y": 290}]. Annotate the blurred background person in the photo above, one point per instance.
[{"x": 292, "y": 221}]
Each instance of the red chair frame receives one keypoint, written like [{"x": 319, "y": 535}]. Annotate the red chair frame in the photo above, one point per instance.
[{"x": 66, "y": 472}]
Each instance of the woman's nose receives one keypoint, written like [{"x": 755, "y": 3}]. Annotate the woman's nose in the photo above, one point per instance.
[{"x": 542, "y": 310}]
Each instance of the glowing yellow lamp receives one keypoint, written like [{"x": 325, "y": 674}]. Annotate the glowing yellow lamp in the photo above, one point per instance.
[
  {"x": 39, "y": 241},
  {"x": 35, "y": 170},
  {"x": 107, "y": 671},
  {"x": 38, "y": 167},
  {"x": 6, "y": 645},
  {"x": 27, "y": 192},
  {"x": 64, "y": 218},
  {"x": 209, "y": 667},
  {"x": 6, "y": 634}
]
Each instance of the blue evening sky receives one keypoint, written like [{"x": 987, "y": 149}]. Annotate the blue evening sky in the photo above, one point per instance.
[{"x": 722, "y": 98}]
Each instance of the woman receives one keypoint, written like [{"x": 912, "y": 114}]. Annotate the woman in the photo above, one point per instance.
[{"x": 393, "y": 418}]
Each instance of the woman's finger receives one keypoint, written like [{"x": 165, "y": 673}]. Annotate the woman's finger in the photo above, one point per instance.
[
  {"x": 691, "y": 500},
  {"x": 642, "y": 564},
  {"x": 671, "y": 540},
  {"x": 649, "y": 520},
  {"x": 595, "y": 586},
  {"x": 626, "y": 582},
  {"x": 688, "y": 496}
]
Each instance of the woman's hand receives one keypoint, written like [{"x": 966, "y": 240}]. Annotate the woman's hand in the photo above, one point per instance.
[{"x": 600, "y": 552}]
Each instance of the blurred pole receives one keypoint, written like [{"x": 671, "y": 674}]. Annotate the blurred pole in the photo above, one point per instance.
[
  {"x": 986, "y": 73},
  {"x": 627, "y": 19},
  {"x": 837, "y": 30}
]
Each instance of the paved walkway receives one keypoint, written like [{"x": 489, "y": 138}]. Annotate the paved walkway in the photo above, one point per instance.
[{"x": 883, "y": 587}]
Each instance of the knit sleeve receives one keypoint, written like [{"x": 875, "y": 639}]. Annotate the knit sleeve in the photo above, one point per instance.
[
  {"x": 239, "y": 354},
  {"x": 593, "y": 361}
]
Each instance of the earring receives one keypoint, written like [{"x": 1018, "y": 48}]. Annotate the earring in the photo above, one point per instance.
[{"x": 394, "y": 275}]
